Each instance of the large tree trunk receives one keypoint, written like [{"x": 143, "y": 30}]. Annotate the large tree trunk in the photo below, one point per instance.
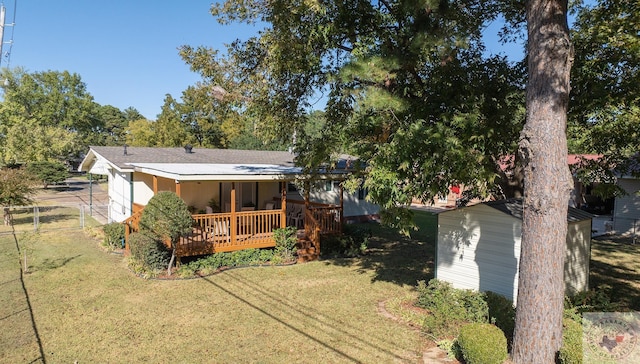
[{"x": 543, "y": 149}]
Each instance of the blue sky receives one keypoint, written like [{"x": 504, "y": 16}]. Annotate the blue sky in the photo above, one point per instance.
[{"x": 124, "y": 50}]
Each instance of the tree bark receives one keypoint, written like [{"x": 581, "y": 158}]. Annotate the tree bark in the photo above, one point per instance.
[{"x": 543, "y": 149}]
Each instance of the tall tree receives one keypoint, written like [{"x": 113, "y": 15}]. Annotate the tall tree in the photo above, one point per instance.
[
  {"x": 543, "y": 149},
  {"x": 408, "y": 89},
  {"x": 56, "y": 103},
  {"x": 604, "y": 116}
]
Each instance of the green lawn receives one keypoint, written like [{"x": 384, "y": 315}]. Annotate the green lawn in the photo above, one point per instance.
[{"x": 81, "y": 303}]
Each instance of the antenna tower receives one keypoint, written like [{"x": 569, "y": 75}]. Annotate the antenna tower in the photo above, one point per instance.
[{"x": 3, "y": 53}]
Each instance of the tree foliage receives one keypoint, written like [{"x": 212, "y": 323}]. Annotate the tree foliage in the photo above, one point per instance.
[
  {"x": 408, "y": 88},
  {"x": 50, "y": 116},
  {"x": 48, "y": 172},
  {"x": 17, "y": 186},
  {"x": 604, "y": 116},
  {"x": 166, "y": 216}
]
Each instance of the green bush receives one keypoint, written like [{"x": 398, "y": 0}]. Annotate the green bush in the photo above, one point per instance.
[
  {"x": 597, "y": 299},
  {"x": 352, "y": 243},
  {"x": 149, "y": 252},
  {"x": 571, "y": 350},
  {"x": 482, "y": 343},
  {"x": 166, "y": 216},
  {"x": 113, "y": 235},
  {"x": 501, "y": 313},
  {"x": 286, "y": 240},
  {"x": 211, "y": 263},
  {"x": 449, "y": 307}
]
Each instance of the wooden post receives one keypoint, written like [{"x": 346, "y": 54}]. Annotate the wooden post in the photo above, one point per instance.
[
  {"x": 341, "y": 205},
  {"x": 234, "y": 219},
  {"x": 178, "y": 189},
  {"x": 127, "y": 229},
  {"x": 307, "y": 187},
  {"x": 283, "y": 204},
  {"x": 155, "y": 185}
]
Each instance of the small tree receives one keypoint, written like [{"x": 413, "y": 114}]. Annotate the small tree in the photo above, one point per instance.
[
  {"x": 48, "y": 172},
  {"x": 16, "y": 188},
  {"x": 166, "y": 217}
]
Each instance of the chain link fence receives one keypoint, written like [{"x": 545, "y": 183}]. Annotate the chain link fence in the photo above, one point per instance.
[{"x": 51, "y": 218}]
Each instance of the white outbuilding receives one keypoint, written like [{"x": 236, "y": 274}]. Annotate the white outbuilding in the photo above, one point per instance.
[{"x": 478, "y": 248}]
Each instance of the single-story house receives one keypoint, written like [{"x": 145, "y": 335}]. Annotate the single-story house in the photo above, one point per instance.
[
  {"x": 247, "y": 192},
  {"x": 478, "y": 247}
]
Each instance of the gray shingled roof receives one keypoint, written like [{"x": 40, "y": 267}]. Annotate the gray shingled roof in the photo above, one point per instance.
[
  {"x": 514, "y": 208},
  {"x": 137, "y": 155}
]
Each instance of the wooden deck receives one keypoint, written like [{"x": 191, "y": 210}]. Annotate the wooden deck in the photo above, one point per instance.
[{"x": 225, "y": 232}]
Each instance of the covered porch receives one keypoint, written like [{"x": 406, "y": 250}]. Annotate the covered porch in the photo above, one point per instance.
[{"x": 246, "y": 228}]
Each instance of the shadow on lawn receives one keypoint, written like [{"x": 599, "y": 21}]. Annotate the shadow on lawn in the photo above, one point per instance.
[
  {"x": 395, "y": 258},
  {"x": 614, "y": 266}
]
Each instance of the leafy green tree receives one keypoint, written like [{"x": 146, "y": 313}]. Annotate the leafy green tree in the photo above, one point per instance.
[
  {"x": 604, "y": 116},
  {"x": 17, "y": 186},
  {"x": 409, "y": 90},
  {"x": 50, "y": 102},
  {"x": 170, "y": 131},
  {"x": 165, "y": 218},
  {"x": 140, "y": 133},
  {"x": 48, "y": 172}
]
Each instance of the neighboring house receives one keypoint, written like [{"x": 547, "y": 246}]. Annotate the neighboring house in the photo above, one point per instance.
[
  {"x": 224, "y": 186},
  {"x": 478, "y": 247},
  {"x": 626, "y": 210}
]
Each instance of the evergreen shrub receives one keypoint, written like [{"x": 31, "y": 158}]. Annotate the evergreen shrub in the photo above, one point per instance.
[
  {"x": 482, "y": 343},
  {"x": 149, "y": 252},
  {"x": 113, "y": 235}
]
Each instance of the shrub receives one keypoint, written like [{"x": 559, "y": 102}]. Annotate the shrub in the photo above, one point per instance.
[
  {"x": 482, "y": 343},
  {"x": 501, "y": 313},
  {"x": 211, "y": 263},
  {"x": 149, "y": 252},
  {"x": 166, "y": 216},
  {"x": 286, "y": 240},
  {"x": 571, "y": 350},
  {"x": 113, "y": 235},
  {"x": 352, "y": 243},
  {"x": 449, "y": 307},
  {"x": 597, "y": 299}
]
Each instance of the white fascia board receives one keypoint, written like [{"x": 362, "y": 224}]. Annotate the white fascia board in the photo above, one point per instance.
[{"x": 217, "y": 172}]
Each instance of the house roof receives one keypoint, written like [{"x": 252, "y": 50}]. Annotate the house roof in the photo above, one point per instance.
[
  {"x": 198, "y": 164},
  {"x": 514, "y": 208}
]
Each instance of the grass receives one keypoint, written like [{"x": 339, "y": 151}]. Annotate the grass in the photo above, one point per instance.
[
  {"x": 615, "y": 267},
  {"x": 81, "y": 303}
]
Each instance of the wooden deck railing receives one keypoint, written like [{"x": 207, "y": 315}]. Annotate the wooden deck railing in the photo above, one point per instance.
[
  {"x": 226, "y": 232},
  {"x": 131, "y": 225},
  {"x": 329, "y": 218}
]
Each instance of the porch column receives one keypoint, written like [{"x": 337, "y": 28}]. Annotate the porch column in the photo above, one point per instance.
[
  {"x": 234, "y": 219},
  {"x": 155, "y": 185},
  {"x": 341, "y": 204},
  {"x": 307, "y": 187},
  {"x": 283, "y": 204},
  {"x": 178, "y": 189}
]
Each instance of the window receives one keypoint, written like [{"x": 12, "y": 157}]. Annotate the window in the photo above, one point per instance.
[{"x": 328, "y": 186}]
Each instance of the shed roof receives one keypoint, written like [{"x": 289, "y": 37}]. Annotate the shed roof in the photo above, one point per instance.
[{"x": 514, "y": 208}]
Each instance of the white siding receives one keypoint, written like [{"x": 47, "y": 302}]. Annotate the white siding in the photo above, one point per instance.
[
  {"x": 119, "y": 196},
  {"x": 576, "y": 263},
  {"x": 478, "y": 248},
  {"x": 353, "y": 206},
  {"x": 626, "y": 213}
]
